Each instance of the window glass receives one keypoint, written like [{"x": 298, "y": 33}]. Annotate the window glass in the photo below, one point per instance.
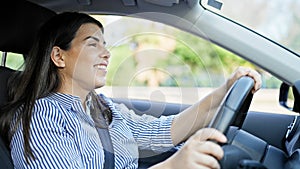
[
  {"x": 275, "y": 19},
  {"x": 13, "y": 60},
  {"x": 146, "y": 53},
  {"x": 153, "y": 61}
]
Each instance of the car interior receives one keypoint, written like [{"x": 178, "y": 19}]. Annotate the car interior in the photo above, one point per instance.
[{"x": 256, "y": 139}]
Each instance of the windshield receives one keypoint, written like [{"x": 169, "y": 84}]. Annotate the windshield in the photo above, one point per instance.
[{"x": 275, "y": 19}]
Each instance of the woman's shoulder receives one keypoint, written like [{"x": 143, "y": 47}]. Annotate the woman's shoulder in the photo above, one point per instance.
[
  {"x": 53, "y": 100},
  {"x": 45, "y": 103},
  {"x": 47, "y": 108}
]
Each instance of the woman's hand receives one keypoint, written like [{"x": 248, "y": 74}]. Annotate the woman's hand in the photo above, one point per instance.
[
  {"x": 243, "y": 71},
  {"x": 198, "y": 152}
]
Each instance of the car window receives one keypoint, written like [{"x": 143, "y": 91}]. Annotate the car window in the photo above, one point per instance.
[
  {"x": 12, "y": 60},
  {"x": 158, "y": 62},
  {"x": 275, "y": 19},
  {"x": 154, "y": 54}
]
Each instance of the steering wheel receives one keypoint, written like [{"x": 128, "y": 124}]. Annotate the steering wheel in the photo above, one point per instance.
[{"x": 234, "y": 106}]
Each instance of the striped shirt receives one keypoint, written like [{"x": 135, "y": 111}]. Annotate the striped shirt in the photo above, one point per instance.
[{"x": 64, "y": 136}]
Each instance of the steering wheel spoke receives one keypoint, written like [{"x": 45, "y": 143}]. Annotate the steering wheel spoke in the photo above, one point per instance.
[{"x": 234, "y": 105}]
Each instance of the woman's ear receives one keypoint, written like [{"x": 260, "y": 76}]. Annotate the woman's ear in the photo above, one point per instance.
[{"x": 57, "y": 57}]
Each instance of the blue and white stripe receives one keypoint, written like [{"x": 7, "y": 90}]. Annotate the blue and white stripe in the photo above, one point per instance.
[{"x": 64, "y": 136}]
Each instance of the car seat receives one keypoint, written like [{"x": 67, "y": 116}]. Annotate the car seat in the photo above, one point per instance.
[{"x": 5, "y": 158}]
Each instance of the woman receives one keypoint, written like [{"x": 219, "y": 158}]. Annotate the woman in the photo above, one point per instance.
[{"x": 54, "y": 108}]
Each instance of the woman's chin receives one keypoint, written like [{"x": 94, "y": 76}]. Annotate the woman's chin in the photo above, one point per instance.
[{"x": 100, "y": 84}]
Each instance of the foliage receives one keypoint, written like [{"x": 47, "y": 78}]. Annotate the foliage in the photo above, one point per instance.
[{"x": 193, "y": 62}]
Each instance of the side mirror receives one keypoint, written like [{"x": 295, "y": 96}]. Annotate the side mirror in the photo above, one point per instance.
[
  {"x": 296, "y": 92},
  {"x": 284, "y": 95}
]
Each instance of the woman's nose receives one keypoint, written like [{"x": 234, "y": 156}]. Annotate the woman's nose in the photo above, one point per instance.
[{"x": 106, "y": 54}]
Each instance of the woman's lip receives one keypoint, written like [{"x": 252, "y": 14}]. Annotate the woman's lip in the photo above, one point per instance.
[{"x": 101, "y": 66}]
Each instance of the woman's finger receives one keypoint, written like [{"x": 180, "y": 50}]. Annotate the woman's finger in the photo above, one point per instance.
[
  {"x": 210, "y": 148},
  {"x": 210, "y": 134}
]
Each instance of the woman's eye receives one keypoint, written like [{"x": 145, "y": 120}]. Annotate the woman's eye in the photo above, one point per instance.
[{"x": 93, "y": 44}]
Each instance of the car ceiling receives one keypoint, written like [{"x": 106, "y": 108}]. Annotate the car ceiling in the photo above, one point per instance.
[
  {"x": 117, "y": 6},
  {"x": 19, "y": 25}
]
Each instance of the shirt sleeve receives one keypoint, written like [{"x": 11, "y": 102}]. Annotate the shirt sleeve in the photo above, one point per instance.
[
  {"x": 52, "y": 146},
  {"x": 150, "y": 133}
]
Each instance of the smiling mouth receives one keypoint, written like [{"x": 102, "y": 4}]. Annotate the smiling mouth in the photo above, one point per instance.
[{"x": 101, "y": 67}]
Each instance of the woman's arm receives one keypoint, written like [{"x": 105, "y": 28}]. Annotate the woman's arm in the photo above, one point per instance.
[
  {"x": 50, "y": 143},
  {"x": 149, "y": 132},
  {"x": 200, "y": 114}
]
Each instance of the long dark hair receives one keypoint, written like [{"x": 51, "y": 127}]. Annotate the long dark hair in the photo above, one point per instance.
[{"x": 40, "y": 76}]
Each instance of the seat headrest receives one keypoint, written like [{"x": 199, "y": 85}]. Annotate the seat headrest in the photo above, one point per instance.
[
  {"x": 5, "y": 158},
  {"x": 5, "y": 73}
]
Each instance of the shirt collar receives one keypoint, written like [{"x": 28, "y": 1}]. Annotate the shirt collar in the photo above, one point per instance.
[
  {"x": 66, "y": 100},
  {"x": 74, "y": 102},
  {"x": 115, "y": 113}
]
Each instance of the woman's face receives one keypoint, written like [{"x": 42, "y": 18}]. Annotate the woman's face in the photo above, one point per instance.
[{"x": 87, "y": 60}]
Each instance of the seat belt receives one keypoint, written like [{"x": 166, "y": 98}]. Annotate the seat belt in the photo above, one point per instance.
[
  {"x": 101, "y": 124},
  {"x": 109, "y": 157}
]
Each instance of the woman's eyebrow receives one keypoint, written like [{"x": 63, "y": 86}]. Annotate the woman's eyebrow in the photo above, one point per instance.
[
  {"x": 92, "y": 37},
  {"x": 95, "y": 38}
]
